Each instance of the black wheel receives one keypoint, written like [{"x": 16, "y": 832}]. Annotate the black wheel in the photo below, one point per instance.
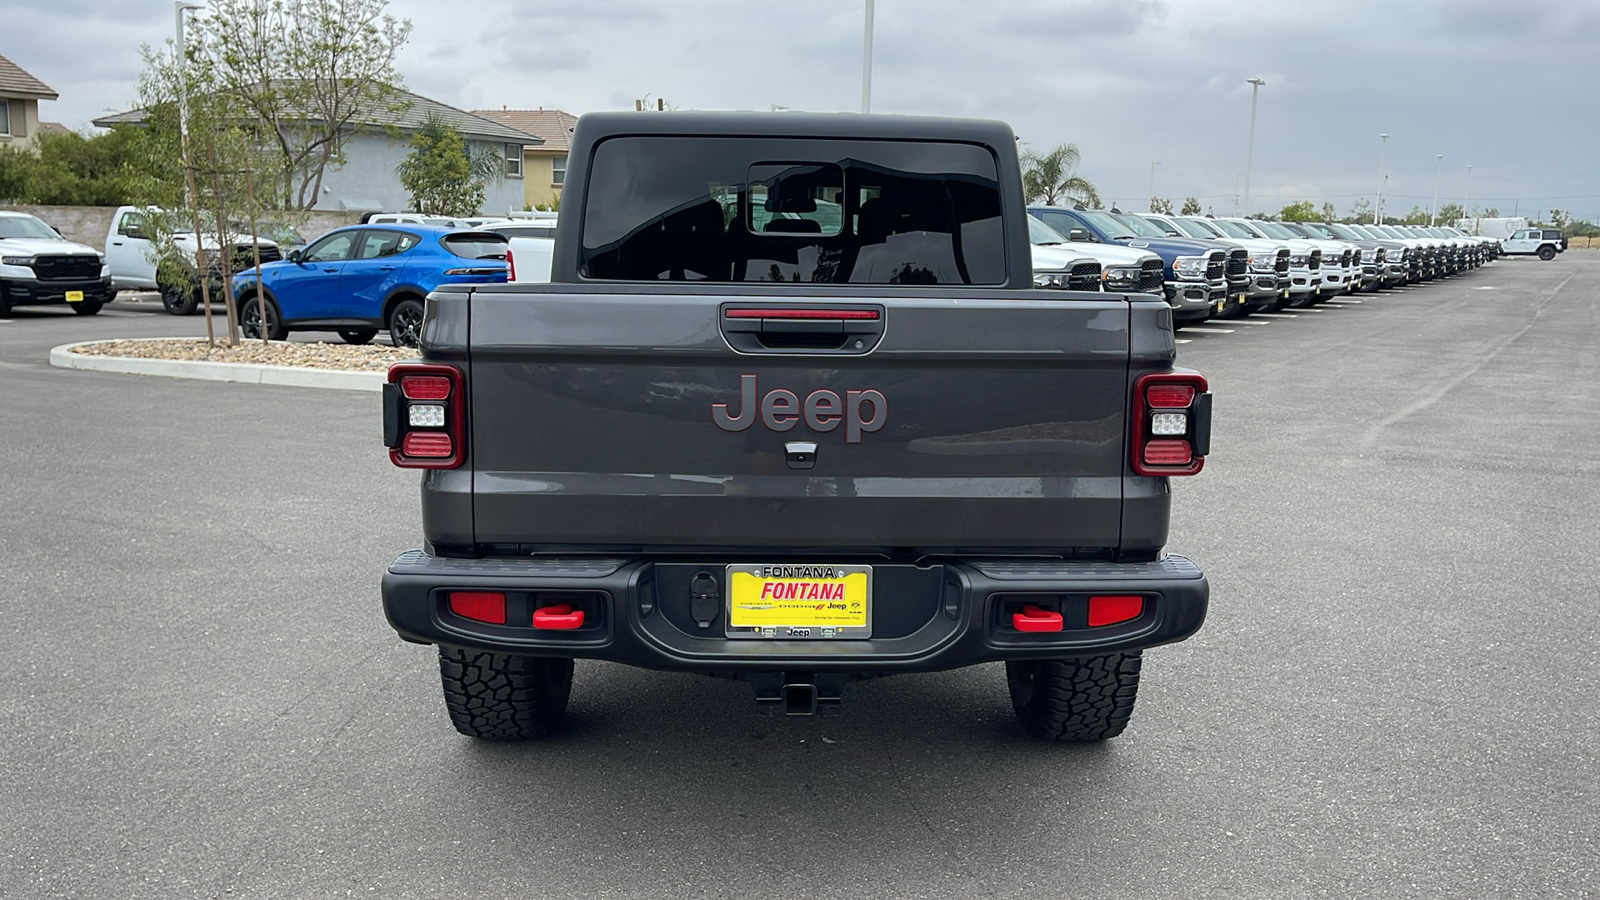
[
  {"x": 1075, "y": 700},
  {"x": 358, "y": 335},
  {"x": 180, "y": 301},
  {"x": 504, "y": 696},
  {"x": 1547, "y": 253},
  {"x": 86, "y": 307},
  {"x": 250, "y": 321},
  {"x": 405, "y": 323}
]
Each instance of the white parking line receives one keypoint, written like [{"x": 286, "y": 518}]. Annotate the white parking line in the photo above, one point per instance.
[
  {"x": 1277, "y": 315},
  {"x": 1194, "y": 330},
  {"x": 1249, "y": 322},
  {"x": 1325, "y": 301},
  {"x": 1178, "y": 341}
]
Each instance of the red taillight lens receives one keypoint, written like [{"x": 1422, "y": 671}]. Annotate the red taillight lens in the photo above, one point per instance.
[
  {"x": 511, "y": 266},
  {"x": 1169, "y": 396},
  {"x": 480, "y": 606},
  {"x": 431, "y": 397},
  {"x": 843, "y": 315},
  {"x": 425, "y": 387},
  {"x": 1111, "y": 610},
  {"x": 1168, "y": 453},
  {"x": 427, "y": 445},
  {"x": 1170, "y": 425}
]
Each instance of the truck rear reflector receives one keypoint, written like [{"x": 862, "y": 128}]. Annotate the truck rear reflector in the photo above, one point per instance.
[
  {"x": 479, "y": 606},
  {"x": 1111, "y": 610}
]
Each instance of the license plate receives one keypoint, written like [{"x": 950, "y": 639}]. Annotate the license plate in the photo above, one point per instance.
[
  {"x": 810, "y": 602},
  {"x": 74, "y": 296},
  {"x": 1285, "y": 295},
  {"x": 1219, "y": 305},
  {"x": 1243, "y": 297}
]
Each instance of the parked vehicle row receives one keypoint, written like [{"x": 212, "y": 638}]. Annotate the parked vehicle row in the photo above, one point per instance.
[
  {"x": 39, "y": 266},
  {"x": 1228, "y": 267}
]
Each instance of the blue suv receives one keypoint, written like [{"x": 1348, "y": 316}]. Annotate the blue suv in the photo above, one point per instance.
[{"x": 364, "y": 278}]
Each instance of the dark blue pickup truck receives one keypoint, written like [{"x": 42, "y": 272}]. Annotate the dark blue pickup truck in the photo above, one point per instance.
[
  {"x": 1204, "y": 278},
  {"x": 798, "y": 450}
]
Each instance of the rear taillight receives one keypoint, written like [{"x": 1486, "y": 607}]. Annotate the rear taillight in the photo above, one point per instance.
[
  {"x": 425, "y": 416},
  {"x": 511, "y": 266},
  {"x": 1171, "y": 430}
]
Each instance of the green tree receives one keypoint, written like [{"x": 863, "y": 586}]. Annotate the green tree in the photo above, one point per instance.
[
  {"x": 1052, "y": 177},
  {"x": 1417, "y": 216},
  {"x": 1360, "y": 211},
  {"x": 314, "y": 72},
  {"x": 1329, "y": 212},
  {"x": 1191, "y": 207},
  {"x": 202, "y": 191},
  {"x": 1303, "y": 211},
  {"x": 1161, "y": 205},
  {"x": 438, "y": 173},
  {"x": 1449, "y": 213},
  {"x": 71, "y": 170}
]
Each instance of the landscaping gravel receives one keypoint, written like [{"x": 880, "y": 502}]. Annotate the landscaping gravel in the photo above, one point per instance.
[{"x": 306, "y": 355}]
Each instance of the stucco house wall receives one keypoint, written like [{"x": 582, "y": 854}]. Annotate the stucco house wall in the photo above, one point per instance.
[{"x": 367, "y": 182}]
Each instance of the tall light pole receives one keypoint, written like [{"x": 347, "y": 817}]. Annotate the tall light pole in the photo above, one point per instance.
[
  {"x": 1464, "y": 195},
  {"x": 1439, "y": 167},
  {"x": 1250, "y": 146},
  {"x": 1151, "y": 207},
  {"x": 866, "y": 64},
  {"x": 1377, "y": 208}
]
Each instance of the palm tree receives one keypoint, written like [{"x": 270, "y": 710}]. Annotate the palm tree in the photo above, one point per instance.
[{"x": 1052, "y": 176}]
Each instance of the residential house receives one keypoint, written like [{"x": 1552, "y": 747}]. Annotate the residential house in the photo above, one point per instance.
[
  {"x": 367, "y": 181},
  {"x": 20, "y": 94},
  {"x": 544, "y": 165}
]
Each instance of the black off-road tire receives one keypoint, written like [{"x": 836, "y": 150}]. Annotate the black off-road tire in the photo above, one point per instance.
[
  {"x": 86, "y": 307},
  {"x": 1547, "y": 253},
  {"x": 180, "y": 301},
  {"x": 1075, "y": 700},
  {"x": 504, "y": 696},
  {"x": 358, "y": 336}
]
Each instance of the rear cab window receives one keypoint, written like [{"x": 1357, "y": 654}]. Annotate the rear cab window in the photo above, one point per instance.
[{"x": 804, "y": 210}]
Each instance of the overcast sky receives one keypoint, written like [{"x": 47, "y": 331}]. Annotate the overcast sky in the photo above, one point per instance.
[{"x": 1506, "y": 86}]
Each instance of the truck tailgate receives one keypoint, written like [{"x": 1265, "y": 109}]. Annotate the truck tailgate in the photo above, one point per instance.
[{"x": 971, "y": 424}]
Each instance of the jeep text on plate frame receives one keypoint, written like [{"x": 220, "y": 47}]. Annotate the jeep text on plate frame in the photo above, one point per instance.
[{"x": 799, "y": 601}]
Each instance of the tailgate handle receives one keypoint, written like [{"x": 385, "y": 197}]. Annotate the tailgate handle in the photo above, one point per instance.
[{"x": 842, "y": 330}]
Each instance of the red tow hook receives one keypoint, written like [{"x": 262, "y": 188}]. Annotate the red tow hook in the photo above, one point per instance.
[
  {"x": 1032, "y": 618},
  {"x": 560, "y": 617}
]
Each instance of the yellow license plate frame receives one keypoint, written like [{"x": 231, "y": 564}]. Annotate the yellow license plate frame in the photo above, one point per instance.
[
  {"x": 74, "y": 296},
  {"x": 799, "y": 601}
]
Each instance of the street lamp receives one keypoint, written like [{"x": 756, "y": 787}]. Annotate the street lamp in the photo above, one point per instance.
[
  {"x": 1151, "y": 207},
  {"x": 866, "y": 64},
  {"x": 1377, "y": 208},
  {"x": 1436, "y": 170},
  {"x": 1250, "y": 146},
  {"x": 179, "y": 7},
  {"x": 1464, "y": 195}
]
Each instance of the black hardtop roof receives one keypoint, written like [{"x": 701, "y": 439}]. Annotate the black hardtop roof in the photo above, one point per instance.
[{"x": 844, "y": 126}]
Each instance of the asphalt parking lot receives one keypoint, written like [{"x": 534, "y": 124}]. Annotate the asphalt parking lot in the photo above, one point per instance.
[{"x": 1397, "y": 692}]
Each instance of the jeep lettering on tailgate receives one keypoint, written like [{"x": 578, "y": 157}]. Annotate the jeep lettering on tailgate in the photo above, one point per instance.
[{"x": 781, "y": 410}]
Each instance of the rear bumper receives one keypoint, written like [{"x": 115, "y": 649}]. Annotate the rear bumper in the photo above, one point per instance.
[{"x": 924, "y": 618}]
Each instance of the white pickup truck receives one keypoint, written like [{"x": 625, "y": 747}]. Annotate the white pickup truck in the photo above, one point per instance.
[
  {"x": 38, "y": 266},
  {"x": 133, "y": 259}
]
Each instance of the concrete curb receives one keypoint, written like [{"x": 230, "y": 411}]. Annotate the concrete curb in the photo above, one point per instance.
[{"x": 62, "y": 357}]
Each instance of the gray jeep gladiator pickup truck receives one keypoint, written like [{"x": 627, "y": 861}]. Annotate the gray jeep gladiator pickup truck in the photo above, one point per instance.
[{"x": 798, "y": 450}]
